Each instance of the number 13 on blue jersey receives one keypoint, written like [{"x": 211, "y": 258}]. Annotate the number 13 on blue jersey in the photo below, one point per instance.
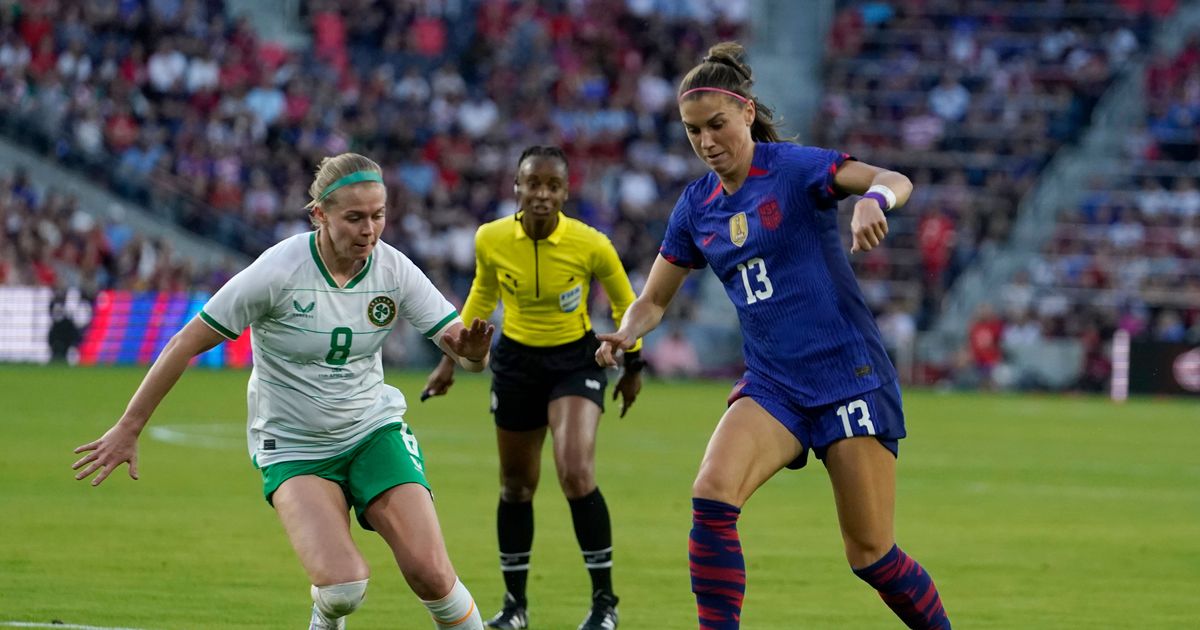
[{"x": 754, "y": 279}]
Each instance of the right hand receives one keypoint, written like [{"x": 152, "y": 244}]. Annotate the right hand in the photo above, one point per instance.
[
  {"x": 610, "y": 343},
  {"x": 868, "y": 226},
  {"x": 440, "y": 379},
  {"x": 118, "y": 445}
]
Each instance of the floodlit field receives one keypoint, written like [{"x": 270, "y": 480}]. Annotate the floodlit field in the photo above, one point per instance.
[{"x": 1030, "y": 511}]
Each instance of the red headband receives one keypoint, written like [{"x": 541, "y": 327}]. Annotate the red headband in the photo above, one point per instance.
[{"x": 714, "y": 89}]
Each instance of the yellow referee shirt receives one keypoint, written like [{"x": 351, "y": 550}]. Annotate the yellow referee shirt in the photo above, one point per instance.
[{"x": 544, "y": 284}]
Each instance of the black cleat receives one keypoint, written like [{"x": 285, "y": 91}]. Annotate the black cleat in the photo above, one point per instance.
[
  {"x": 603, "y": 615},
  {"x": 511, "y": 617}
]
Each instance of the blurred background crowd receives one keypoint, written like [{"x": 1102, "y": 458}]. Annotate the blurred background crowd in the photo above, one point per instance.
[{"x": 185, "y": 109}]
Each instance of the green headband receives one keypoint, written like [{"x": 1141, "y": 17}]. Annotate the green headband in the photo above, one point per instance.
[{"x": 353, "y": 178}]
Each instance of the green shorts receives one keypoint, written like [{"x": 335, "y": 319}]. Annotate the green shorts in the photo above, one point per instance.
[{"x": 386, "y": 458}]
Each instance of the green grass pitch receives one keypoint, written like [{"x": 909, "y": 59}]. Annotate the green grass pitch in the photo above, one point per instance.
[{"x": 1029, "y": 511}]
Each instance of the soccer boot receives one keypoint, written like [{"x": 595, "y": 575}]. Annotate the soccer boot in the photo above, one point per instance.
[
  {"x": 319, "y": 622},
  {"x": 603, "y": 615},
  {"x": 511, "y": 617}
]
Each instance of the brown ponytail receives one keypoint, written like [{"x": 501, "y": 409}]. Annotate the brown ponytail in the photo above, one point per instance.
[{"x": 723, "y": 68}]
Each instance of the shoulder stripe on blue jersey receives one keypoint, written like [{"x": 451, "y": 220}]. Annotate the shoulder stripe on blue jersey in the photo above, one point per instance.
[{"x": 833, "y": 169}]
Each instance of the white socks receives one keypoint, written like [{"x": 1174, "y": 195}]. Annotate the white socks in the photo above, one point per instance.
[{"x": 456, "y": 610}]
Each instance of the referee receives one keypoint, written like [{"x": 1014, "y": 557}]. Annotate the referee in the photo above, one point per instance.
[{"x": 540, "y": 264}]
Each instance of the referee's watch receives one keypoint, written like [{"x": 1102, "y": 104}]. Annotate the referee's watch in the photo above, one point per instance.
[{"x": 634, "y": 361}]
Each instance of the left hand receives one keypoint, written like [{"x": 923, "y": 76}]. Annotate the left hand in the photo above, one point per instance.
[
  {"x": 868, "y": 226},
  {"x": 117, "y": 446},
  {"x": 472, "y": 342},
  {"x": 628, "y": 388}
]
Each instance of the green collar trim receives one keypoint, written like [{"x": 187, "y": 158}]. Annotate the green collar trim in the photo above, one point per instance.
[{"x": 316, "y": 255}]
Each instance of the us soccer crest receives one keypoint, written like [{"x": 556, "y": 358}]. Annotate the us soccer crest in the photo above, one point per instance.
[
  {"x": 381, "y": 311},
  {"x": 738, "y": 229},
  {"x": 769, "y": 214}
]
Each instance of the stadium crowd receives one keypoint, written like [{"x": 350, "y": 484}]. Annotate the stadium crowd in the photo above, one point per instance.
[
  {"x": 1128, "y": 257},
  {"x": 47, "y": 239},
  {"x": 973, "y": 99},
  {"x": 970, "y": 99},
  {"x": 222, "y": 137}
]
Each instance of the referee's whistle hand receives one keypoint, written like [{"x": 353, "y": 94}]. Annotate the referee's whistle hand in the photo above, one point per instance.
[
  {"x": 628, "y": 388},
  {"x": 440, "y": 380}
]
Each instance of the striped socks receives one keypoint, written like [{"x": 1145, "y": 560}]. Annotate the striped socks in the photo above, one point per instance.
[
  {"x": 907, "y": 589},
  {"x": 717, "y": 566}
]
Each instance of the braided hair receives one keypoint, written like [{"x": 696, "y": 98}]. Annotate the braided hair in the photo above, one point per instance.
[{"x": 539, "y": 150}]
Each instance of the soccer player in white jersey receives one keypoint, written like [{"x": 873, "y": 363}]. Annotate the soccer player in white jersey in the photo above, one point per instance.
[{"x": 324, "y": 430}]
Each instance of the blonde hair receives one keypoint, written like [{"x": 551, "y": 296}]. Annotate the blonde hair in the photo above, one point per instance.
[{"x": 332, "y": 169}]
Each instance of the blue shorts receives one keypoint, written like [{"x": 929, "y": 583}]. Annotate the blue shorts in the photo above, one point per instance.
[{"x": 877, "y": 412}]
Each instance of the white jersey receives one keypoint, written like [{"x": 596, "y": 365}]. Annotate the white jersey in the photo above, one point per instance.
[{"x": 317, "y": 385}]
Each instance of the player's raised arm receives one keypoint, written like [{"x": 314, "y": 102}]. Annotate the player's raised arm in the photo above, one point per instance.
[
  {"x": 119, "y": 444},
  {"x": 645, "y": 313},
  {"x": 882, "y": 190}
]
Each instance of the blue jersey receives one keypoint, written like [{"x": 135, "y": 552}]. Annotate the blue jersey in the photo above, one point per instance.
[{"x": 774, "y": 244}]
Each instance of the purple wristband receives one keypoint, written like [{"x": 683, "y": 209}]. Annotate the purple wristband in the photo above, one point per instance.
[{"x": 879, "y": 199}]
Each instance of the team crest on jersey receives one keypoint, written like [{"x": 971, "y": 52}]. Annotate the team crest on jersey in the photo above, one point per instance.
[
  {"x": 738, "y": 229},
  {"x": 769, "y": 213},
  {"x": 381, "y": 311}
]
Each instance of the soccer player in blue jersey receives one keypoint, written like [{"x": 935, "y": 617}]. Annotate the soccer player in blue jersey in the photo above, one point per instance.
[{"x": 817, "y": 376}]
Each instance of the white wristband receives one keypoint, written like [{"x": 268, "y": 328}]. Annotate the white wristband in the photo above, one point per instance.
[
  {"x": 467, "y": 364},
  {"x": 886, "y": 192}
]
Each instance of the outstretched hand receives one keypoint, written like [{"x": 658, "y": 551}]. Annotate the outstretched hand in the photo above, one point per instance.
[
  {"x": 117, "y": 446},
  {"x": 472, "y": 342},
  {"x": 610, "y": 343},
  {"x": 868, "y": 225}
]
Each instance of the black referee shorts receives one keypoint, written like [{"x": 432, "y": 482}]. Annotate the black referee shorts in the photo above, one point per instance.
[{"x": 526, "y": 378}]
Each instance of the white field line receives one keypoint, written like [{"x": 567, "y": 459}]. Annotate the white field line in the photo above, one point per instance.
[
  {"x": 203, "y": 436},
  {"x": 60, "y": 626}
]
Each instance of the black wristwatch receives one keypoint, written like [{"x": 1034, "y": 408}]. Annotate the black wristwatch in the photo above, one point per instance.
[{"x": 634, "y": 361}]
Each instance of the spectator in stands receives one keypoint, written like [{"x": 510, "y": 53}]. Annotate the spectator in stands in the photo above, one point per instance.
[
  {"x": 1169, "y": 327},
  {"x": 898, "y": 329},
  {"x": 64, "y": 333},
  {"x": 983, "y": 338},
  {"x": 673, "y": 355}
]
